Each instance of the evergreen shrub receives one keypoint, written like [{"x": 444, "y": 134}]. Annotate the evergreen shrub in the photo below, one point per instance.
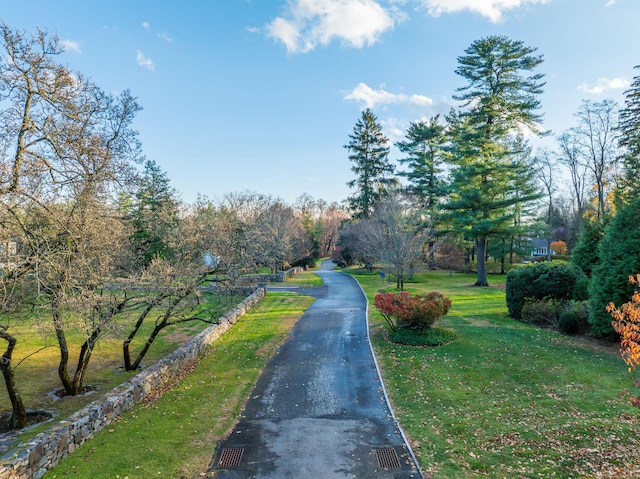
[
  {"x": 428, "y": 337},
  {"x": 540, "y": 281}
]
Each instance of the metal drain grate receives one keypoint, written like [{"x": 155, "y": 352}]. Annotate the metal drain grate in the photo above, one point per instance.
[
  {"x": 231, "y": 457},
  {"x": 388, "y": 458}
]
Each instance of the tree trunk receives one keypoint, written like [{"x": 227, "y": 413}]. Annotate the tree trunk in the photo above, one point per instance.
[
  {"x": 18, "y": 418},
  {"x": 432, "y": 256},
  {"x": 481, "y": 246},
  {"x": 160, "y": 326},
  {"x": 127, "y": 342},
  {"x": 65, "y": 379},
  {"x": 83, "y": 361},
  {"x": 511, "y": 246}
]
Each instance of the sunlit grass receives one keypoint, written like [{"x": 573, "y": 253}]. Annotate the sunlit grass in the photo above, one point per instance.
[
  {"x": 304, "y": 279},
  {"x": 505, "y": 399}
]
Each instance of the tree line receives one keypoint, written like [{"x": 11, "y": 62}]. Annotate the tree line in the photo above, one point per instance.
[
  {"x": 474, "y": 184},
  {"x": 91, "y": 231}
]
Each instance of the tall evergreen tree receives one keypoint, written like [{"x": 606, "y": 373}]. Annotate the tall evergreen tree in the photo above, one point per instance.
[
  {"x": 630, "y": 136},
  {"x": 424, "y": 147},
  {"x": 369, "y": 151},
  {"x": 153, "y": 216},
  {"x": 499, "y": 100},
  {"x": 619, "y": 258}
]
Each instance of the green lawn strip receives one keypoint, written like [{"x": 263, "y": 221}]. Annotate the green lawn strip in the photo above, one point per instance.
[
  {"x": 304, "y": 279},
  {"x": 506, "y": 399},
  {"x": 176, "y": 435}
]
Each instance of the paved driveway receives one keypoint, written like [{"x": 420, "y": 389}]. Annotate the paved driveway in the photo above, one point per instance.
[{"x": 318, "y": 409}]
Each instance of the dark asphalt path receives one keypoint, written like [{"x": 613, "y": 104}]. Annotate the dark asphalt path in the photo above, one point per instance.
[{"x": 318, "y": 409}]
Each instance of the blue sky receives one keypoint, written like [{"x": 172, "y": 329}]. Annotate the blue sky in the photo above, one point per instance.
[{"x": 261, "y": 95}]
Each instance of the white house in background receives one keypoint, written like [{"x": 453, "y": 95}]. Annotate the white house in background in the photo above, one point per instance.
[{"x": 540, "y": 247}]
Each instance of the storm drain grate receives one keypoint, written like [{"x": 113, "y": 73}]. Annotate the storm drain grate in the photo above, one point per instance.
[
  {"x": 388, "y": 458},
  {"x": 231, "y": 457}
]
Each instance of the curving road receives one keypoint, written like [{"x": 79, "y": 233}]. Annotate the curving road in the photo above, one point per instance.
[{"x": 318, "y": 409}]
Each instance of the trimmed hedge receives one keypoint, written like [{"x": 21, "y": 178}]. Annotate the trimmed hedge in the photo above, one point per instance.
[{"x": 539, "y": 281}]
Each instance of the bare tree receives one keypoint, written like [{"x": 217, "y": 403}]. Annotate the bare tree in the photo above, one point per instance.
[
  {"x": 238, "y": 215},
  {"x": 171, "y": 294},
  {"x": 68, "y": 145},
  {"x": 332, "y": 218},
  {"x": 597, "y": 137},
  {"x": 570, "y": 156},
  {"x": 546, "y": 174},
  {"x": 279, "y": 230},
  {"x": 398, "y": 235},
  {"x": 357, "y": 244}
]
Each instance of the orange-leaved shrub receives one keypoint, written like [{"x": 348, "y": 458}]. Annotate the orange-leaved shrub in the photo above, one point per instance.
[
  {"x": 412, "y": 311},
  {"x": 626, "y": 322}
]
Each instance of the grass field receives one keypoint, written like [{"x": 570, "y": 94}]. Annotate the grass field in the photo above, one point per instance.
[{"x": 506, "y": 400}]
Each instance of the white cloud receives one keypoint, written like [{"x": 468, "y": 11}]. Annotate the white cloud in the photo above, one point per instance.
[
  {"x": 71, "y": 45},
  {"x": 145, "y": 25},
  {"x": 611, "y": 3},
  {"x": 366, "y": 95},
  {"x": 309, "y": 23},
  {"x": 492, "y": 9},
  {"x": 605, "y": 84},
  {"x": 165, "y": 36},
  {"x": 394, "y": 129},
  {"x": 145, "y": 62}
]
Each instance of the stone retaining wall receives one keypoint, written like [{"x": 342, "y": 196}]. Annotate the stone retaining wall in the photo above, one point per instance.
[{"x": 31, "y": 460}]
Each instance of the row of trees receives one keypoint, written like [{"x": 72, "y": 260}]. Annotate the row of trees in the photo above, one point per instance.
[
  {"x": 473, "y": 178},
  {"x": 481, "y": 147},
  {"x": 90, "y": 230}
]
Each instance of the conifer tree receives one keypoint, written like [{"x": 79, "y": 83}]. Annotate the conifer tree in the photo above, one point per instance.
[
  {"x": 369, "y": 151},
  {"x": 499, "y": 101},
  {"x": 630, "y": 135},
  {"x": 153, "y": 216},
  {"x": 424, "y": 147}
]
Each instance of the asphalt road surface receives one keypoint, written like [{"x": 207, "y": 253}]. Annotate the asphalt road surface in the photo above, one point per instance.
[{"x": 318, "y": 410}]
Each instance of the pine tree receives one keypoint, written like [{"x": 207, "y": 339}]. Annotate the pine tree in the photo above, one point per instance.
[
  {"x": 630, "y": 136},
  {"x": 424, "y": 147},
  {"x": 485, "y": 151},
  {"x": 374, "y": 173},
  {"x": 153, "y": 216},
  {"x": 619, "y": 258}
]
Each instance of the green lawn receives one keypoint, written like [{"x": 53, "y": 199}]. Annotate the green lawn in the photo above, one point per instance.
[
  {"x": 176, "y": 435},
  {"x": 505, "y": 399},
  {"x": 304, "y": 279}
]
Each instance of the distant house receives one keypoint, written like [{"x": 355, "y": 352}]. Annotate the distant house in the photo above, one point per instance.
[{"x": 540, "y": 247}]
